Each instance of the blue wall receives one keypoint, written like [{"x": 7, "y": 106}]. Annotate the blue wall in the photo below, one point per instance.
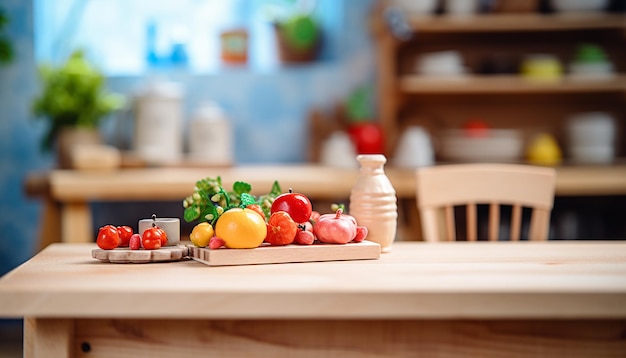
[{"x": 268, "y": 110}]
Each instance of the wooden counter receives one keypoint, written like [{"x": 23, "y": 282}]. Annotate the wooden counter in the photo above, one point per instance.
[
  {"x": 74, "y": 190},
  {"x": 482, "y": 299}
]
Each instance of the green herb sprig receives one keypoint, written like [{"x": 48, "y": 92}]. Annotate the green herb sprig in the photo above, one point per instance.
[{"x": 210, "y": 200}]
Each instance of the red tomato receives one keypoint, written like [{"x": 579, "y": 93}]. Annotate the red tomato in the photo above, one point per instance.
[
  {"x": 256, "y": 208},
  {"x": 163, "y": 236},
  {"x": 298, "y": 206},
  {"x": 152, "y": 238},
  {"x": 108, "y": 237},
  {"x": 281, "y": 229},
  {"x": 125, "y": 233}
]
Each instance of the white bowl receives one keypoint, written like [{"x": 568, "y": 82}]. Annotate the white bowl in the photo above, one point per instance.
[
  {"x": 417, "y": 7},
  {"x": 579, "y": 5},
  {"x": 497, "y": 145},
  {"x": 591, "y": 128},
  {"x": 596, "y": 70},
  {"x": 600, "y": 154}
]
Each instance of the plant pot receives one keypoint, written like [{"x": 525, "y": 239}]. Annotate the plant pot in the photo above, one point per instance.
[
  {"x": 291, "y": 54},
  {"x": 69, "y": 138}
]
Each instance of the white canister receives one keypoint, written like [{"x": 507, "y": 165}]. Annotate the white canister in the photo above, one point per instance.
[
  {"x": 210, "y": 136},
  {"x": 415, "y": 149},
  {"x": 461, "y": 7},
  {"x": 171, "y": 226},
  {"x": 159, "y": 122},
  {"x": 338, "y": 151}
]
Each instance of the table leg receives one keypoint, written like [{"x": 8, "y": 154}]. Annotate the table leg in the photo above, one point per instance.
[
  {"x": 48, "y": 337},
  {"x": 49, "y": 230},
  {"x": 76, "y": 223}
]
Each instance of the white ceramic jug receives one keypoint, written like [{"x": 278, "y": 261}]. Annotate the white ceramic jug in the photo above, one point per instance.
[
  {"x": 373, "y": 201},
  {"x": 415, "y": 149},
  {"x": 159, "y": 123},
  {"x": 210, "y": 136}
]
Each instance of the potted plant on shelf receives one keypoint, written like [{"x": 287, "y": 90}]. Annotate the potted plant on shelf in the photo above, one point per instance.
[
  {"x": 298, "y": 32},
  {"x": 74, "y": 103}
]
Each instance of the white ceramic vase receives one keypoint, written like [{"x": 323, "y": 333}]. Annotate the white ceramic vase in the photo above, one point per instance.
[{"x": 373, "y": 201}]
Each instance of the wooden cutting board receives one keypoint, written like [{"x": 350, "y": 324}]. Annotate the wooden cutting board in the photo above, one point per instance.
[{"x": 365, "y": 250}]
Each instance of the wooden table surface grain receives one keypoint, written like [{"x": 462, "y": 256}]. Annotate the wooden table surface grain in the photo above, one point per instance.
[
  {"x": 481, "y": 299},
  {"x": 554, "y": 279}
]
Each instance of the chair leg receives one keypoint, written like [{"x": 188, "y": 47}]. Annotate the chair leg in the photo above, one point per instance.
[
  {"x": 471, "y": 222},
  {"x": 494, "y": 221},
  {"x": 516, "y": 222}
]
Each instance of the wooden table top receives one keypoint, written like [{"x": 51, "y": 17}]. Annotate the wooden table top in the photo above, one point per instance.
[
  {"x": 554, "y": 279},
  {"x": 319, "y": 182}
]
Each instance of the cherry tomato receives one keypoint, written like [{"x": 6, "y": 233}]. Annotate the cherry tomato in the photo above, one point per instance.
[
  {"x": 304, "y": 237},
  {"x": 297, "y": 205},
  {"x": 152, "y": 238},
  {"x": 135, "y": 242},
  {"x": 281, "y": 229},
  {"x": 163, "y": 236},
  {"x": 108, "y": 237},
  {"x": 256, "y": 208},
  {"x": 125, "y": 233}
]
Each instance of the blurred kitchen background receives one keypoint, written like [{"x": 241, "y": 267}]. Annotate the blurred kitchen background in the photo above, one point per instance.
[
  {"x": 424, "y": 81},
  {"x": 356, "y": 62}
]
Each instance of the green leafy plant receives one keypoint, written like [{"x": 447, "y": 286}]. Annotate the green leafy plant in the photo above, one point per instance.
[
  {"x": 299, "y": 32},
  {"x": 73, "y": 96},
  {"x": 210, "y": 200}
]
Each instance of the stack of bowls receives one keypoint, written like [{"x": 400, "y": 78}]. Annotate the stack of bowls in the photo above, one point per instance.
[
  {"x": 442, "y": 63},
  {"x": 591, "y": 137}
]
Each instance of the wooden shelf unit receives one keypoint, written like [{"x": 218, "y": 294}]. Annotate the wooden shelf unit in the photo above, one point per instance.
[
  {"x": 502, "y": 100},
  {"x": 517, "y": 22},
  {"x": 507, "y": 84}
]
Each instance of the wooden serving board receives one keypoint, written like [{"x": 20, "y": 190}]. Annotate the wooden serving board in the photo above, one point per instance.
[
  {"x": 126, "y": 255},
  {"x": 365, "y": 250}
]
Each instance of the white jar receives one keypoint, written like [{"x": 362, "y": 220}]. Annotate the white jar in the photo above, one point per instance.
[
  {"x": 158, "y": 123},
  {"x": 415, "y": 149},
  {"x": 210, "y": 136}
]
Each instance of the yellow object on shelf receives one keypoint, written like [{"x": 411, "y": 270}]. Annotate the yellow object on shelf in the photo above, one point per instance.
[
  {"x": 542, "y": 67},
  {"x": 544, "y": 150}
]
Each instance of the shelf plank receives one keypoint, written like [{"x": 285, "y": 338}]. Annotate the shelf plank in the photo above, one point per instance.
[
  {"x": 506, "y": 84},
  {"x": 518, "y": 22}
]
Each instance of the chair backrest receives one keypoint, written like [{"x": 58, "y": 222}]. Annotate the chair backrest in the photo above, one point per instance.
[{"x": 442, "y": 188}]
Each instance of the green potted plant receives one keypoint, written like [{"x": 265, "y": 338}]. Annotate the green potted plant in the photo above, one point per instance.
[
  {"x": 298, "y": 32},
  {"x": 74, "y": 103}
]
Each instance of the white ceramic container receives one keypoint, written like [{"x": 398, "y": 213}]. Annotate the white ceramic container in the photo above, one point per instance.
[
  {"x": 415, "y": 149},
  {"x": 159, "y": 123},
  {"x": 579, "y": 5},
  {"x": 373, "y": 201},
  {"x": 210, "y": 136},
  {"x": 171, "y": 226}
]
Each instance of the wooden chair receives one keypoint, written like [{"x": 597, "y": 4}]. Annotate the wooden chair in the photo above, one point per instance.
[{"x": 444, "y": 187}]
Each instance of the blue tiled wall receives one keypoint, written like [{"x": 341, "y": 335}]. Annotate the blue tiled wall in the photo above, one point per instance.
[{"x": 268, "y": 110}]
